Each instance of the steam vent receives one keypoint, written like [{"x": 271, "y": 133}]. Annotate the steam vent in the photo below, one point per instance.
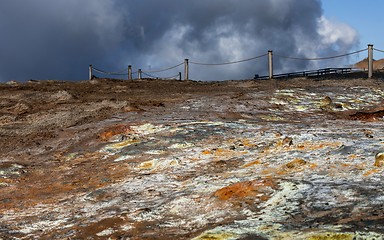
[{"x": 154, "y": 159}]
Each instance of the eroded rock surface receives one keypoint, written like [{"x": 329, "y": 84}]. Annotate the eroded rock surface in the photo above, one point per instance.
[{"x": 104, "y": 159}]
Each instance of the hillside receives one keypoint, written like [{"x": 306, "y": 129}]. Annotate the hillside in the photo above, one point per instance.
[
  {"x": 153, "y": 159},
  {"x": 363, "y": 64}
]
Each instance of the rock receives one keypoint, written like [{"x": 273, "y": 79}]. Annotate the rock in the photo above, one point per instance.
[
  {"x": 379, "y": 159},
  {"x": 6, "y": 119},
  {"x": 297, "y": 163},
  {"x": 326, "y": 101},
  {"x": 327, "y": 104},
  {"x": 19, "y": 108},
  {"x": 9, "y": 169},
  {"x": 13, "y": 82},
  {"x": 287, "y": 141},
  {"x": 130, "y": 108},
  {"x": 61, "y": 96}
]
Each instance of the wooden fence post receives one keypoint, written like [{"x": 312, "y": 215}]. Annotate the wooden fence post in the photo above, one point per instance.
[
  {"x": 129, "y": 72},
  {"x": 186, "y": 70},
  {"x": 139, "y": 74},
  {"x": 270, "y": 63},
  {"x": 180, "y": 76},
  {"x": 90, "y": 72},
  {"x": 370, "y": 60}
]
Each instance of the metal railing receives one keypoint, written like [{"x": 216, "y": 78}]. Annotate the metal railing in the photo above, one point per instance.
[{"x": 311, "y": 73}]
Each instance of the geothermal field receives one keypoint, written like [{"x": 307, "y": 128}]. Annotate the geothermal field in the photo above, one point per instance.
[{"x": 156, "y": 159}]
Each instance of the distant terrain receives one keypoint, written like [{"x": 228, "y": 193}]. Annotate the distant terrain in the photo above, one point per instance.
[{"x": 363, "y": 64}]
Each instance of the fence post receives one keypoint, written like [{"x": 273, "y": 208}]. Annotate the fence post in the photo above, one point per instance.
[
  {"x": 186, "y": 70},
  {"x": 90, "y": 72},
  {"x": 370, "y": 60},
  {"x": 180, "y": 76},
  {"x": 129, "y": 72},
  {"x": 270, "y": 63},
  {"x": 139, "y": 74}
]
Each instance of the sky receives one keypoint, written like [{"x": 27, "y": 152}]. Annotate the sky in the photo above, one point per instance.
[
  {"x": 364, "y": 16},
  {"x": 45, "y": 39}
]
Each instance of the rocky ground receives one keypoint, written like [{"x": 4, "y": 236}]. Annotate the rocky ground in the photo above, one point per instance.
[{"x": 152, "y": 159}]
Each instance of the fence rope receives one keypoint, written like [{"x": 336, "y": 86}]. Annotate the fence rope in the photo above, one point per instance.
[
  {"x": 163, "y": 70},
  {"x": 172, "y": 77},
  {"x": 321, "y": 58},
  {"x": 378, "y": 50},
  {"x": 151, "y": 76},
  {"x": 148, "y": 75},
  {"x": 226, "y": 63},
  {"x": 124, "y": 72},
  {"x": 111, "y": 73}
]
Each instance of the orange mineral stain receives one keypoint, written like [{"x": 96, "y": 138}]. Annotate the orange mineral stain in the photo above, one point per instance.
[
  {"x": 255, "y": 188},
  {"x": 113, "y": 131},
  {"x": 256, "y": 162}
]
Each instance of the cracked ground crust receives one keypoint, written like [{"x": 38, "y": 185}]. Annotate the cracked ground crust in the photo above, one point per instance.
[{"x": 156, "y": 159}]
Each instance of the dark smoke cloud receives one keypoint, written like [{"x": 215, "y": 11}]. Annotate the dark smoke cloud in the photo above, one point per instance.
[{"x": 44, "y": 39}]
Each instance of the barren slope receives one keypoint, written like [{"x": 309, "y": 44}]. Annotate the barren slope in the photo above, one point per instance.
[{"x": 158, "y": 159}]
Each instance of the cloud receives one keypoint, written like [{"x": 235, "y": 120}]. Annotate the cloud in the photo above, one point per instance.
[
  {"x": 45, "y": 39},
  {"x": 337, "y": 35}
]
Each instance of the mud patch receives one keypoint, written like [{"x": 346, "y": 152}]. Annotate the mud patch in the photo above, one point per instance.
[{"x": 368, "y": 116}]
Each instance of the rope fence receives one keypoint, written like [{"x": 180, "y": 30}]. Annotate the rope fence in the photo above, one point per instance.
[
  {"x": 110, "y": 73},
  {"x": 322, "y": 58},
  {"x": 226, "y": 63},
  {"x": 177, "y": 76},
  {"x": 378, "y": 50},
  {"x": 163, "y": 70},
  {"x": 270, "y": 55},
  {"x": 148, "y": 75}
]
